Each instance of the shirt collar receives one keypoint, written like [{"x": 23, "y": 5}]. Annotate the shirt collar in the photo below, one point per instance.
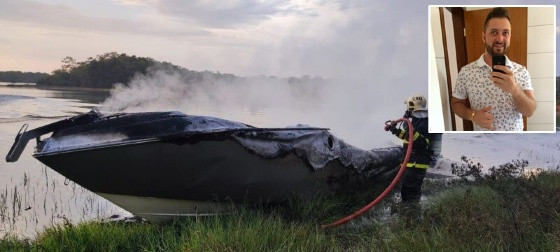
[
  {"x": 481, "y": 63},
  {"x": 420, "y": 113}
]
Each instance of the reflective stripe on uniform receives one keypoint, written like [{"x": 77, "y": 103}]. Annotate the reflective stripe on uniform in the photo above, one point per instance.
[
  {"x": 416, "y": 135},
  {"x": 415, "y": 165},
  {"x": 401, "y": 134}
]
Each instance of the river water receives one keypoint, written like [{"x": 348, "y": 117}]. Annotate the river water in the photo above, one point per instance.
[{"x": 32, "y": 196}]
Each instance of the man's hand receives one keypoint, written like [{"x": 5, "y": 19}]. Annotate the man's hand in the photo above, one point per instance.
[
  {"x": 484, "y": 119},
  {"x": 505, "y": 81}
]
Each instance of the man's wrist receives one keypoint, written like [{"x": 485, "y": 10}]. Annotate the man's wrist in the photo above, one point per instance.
[
  {"x": 516, "y": 92},
  {"x": 472, "y": 115}
]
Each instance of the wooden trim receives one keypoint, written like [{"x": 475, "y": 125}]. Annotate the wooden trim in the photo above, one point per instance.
[
  {"x": 458, "y": 19},
  {"x": 447, "y": 72}
]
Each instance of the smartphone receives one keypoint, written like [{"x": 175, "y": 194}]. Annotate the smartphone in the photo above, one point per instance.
[{"x": 498, "y": 60}]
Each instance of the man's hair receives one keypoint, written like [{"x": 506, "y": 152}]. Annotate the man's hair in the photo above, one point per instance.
[{"x": 498, "y": 12}]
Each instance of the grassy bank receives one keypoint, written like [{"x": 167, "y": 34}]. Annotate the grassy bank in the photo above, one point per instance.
[{"x": 494, "y": 212}]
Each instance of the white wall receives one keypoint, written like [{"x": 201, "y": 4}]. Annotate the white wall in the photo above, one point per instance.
[
  {"x": 436, "y": 103},
  {"x": 541, "y": 65},
  {"x": 436, "y": 122},
  {"x": 438, "y": 76}
]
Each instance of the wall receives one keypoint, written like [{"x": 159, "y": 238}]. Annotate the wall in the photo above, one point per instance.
[
  {"x": 438, "y": 79},
  {"x": 436, "y": 105},
  {"x": 541, "y": 50}
]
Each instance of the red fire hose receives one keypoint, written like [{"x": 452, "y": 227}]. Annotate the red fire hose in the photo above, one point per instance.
[{"x": 388, "y": 189}]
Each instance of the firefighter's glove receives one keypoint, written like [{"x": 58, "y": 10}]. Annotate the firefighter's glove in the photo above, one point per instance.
[{"x": 388, "y": 127}]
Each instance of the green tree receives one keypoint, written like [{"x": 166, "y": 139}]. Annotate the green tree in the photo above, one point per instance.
[{"x": 103, "y": 71}]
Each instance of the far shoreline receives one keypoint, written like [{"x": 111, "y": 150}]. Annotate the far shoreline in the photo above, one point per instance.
[{"x": 48, "y": 87}]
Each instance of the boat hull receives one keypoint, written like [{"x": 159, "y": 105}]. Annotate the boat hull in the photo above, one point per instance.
[
  {"x": 206, "y": 173},
  {"x": 162, "y": 210}
]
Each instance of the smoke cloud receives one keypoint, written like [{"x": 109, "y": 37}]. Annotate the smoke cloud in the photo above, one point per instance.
[{"x": 350, "y": 108}]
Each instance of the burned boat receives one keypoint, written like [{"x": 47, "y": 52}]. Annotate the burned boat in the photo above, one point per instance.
[{"x": 158, "y": 165}]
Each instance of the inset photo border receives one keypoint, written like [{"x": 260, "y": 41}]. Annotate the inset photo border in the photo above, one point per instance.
[{"x": 456, "y": 38}]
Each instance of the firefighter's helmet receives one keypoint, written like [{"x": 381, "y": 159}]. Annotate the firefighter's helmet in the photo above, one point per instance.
[{"x": 416, "y": 102}]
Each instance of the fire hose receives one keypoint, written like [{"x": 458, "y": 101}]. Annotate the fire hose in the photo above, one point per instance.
[{"x": 389, "y": 188}]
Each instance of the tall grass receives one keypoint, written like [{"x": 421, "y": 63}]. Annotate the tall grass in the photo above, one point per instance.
[
  {"x": 487, "y": 212},
  {"x": 245, "y": 230}
]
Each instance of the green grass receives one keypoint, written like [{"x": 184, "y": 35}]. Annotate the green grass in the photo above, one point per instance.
[
  {"x": 497, "y": 212},
  {"x": 245, "y": 230}
]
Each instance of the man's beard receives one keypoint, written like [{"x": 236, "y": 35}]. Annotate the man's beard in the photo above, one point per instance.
[{"x": 492, "y": 53}]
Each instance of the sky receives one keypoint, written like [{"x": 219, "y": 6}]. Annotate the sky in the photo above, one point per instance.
[
  {"x": 281, "y": 37},
  {"x": 375, "y": 50}
]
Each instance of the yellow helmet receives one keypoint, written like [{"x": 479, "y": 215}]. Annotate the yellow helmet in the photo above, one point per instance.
[{"x": 416, "y": 102}]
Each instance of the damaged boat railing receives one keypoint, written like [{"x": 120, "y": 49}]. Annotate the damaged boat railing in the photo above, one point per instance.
[{"x": 24, "y": 136}]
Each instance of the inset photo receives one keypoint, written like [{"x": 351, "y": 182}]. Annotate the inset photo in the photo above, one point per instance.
[{"x": 492, "y": 68}]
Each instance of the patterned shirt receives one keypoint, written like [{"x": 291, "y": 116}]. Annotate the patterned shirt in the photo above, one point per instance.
[{"x": 474, "y": 83}]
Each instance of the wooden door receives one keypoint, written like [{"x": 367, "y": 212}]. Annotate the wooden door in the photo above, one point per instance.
[{"x": 474, "y": 25}]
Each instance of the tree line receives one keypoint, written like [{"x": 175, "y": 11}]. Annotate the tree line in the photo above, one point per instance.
[
  {"x": 111, "y": 68},
  {"x": 21, "y": 77},
  {"x": 100, "y": 72},
  {"x": 108, "y": 69}
]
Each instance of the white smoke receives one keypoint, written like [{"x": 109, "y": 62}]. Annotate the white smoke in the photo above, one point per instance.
[{"x": 349, "y": 108}]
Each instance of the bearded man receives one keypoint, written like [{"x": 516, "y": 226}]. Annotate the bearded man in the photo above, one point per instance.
[{"x": 498, "y": 99}]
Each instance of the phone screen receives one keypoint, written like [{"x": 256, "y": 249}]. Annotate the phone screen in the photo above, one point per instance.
[{"x": 498, "y": 60}]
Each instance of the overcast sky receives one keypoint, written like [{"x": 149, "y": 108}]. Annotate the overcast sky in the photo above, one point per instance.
[
  {"x": 375, "y": 50},
  {"x": 251, "y": 37}
]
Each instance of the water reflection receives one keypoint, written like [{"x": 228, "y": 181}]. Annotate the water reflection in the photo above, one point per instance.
[
  {"x": 32, "y": 196},
  {"x": 83, "y": 95},
  {"x": 91, "y": 96}
]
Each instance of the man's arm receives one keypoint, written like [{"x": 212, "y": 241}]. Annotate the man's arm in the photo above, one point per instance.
[
  {"x": 479, "y": 117},
  {"x": 524, "y": 100},
  {"x": 460, "y": 108}
]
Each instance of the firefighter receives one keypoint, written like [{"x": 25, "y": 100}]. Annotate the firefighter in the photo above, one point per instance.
[{"x": 421, "y": 156}]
